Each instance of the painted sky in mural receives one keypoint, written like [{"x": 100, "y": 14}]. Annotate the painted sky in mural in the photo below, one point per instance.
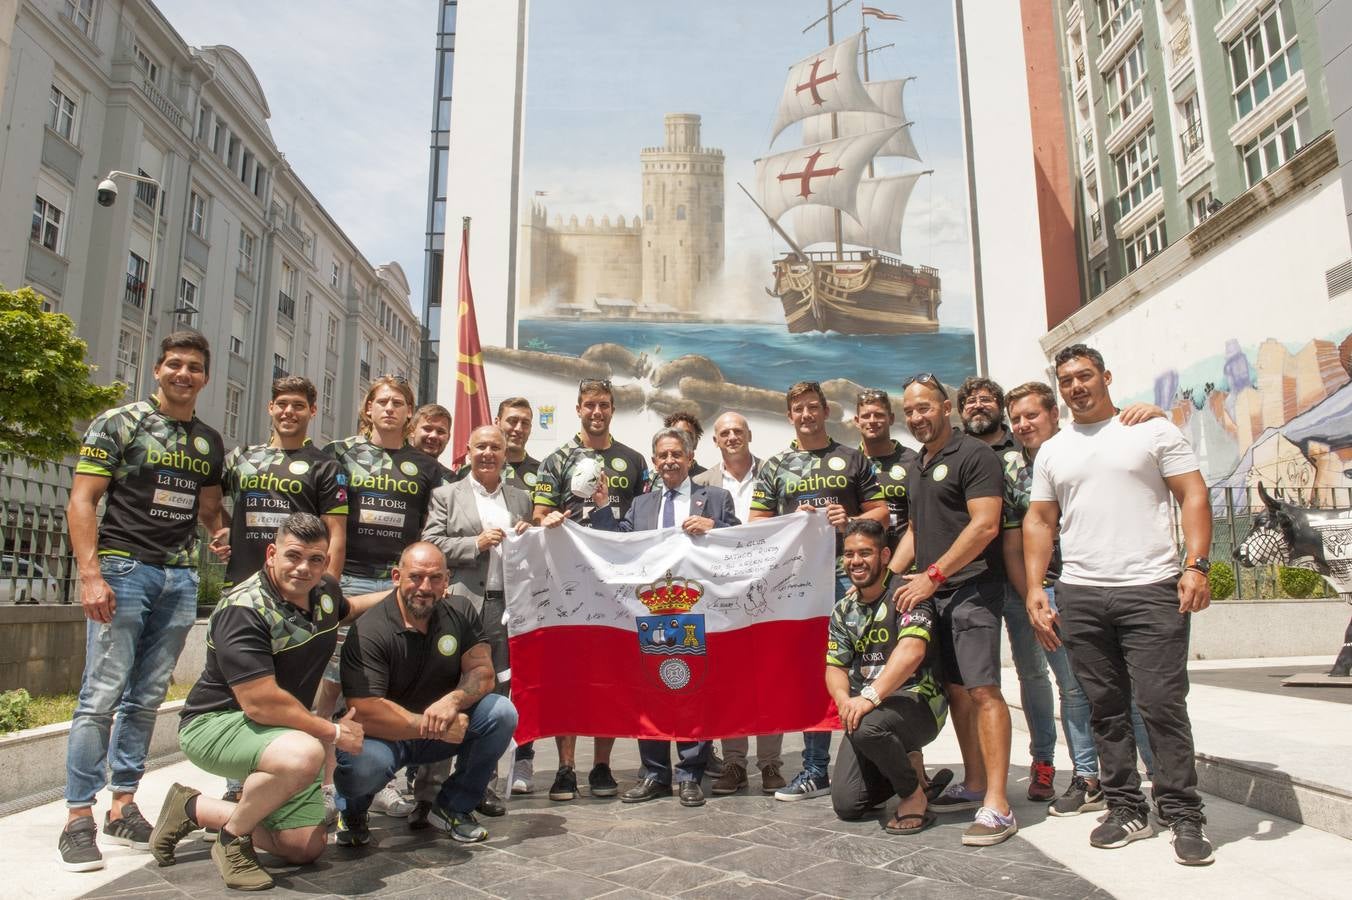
[{"x": 632, "y": 237}]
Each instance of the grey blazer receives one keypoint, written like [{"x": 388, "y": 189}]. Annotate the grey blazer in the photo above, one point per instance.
[
  {"x": 713, "y": 477},
  {"x": 453, "y": 524}
]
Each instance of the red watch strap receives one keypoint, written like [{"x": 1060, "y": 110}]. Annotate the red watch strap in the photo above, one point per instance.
[{"x": 936, "y": 574}]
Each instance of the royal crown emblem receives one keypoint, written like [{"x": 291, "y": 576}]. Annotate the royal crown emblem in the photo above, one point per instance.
[{"x": 670, "y": 595}]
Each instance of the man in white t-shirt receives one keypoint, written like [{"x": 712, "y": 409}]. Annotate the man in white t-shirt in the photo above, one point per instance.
[{"x": 1124, "y": 605}]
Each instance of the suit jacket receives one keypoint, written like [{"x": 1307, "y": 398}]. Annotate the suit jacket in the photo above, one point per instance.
[
  {"x": 713, "y": 502},
  {"x": 714, "y": 477},
  {"x": 453, "y": 524}
]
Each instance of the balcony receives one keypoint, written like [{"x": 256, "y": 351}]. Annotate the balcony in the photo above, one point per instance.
[
  {"x": 136, "y": 292},
  {"x": 1096, "y": 226},
  {"x": 286, "y": 305},
  {"x": 161, "y": 101},
  {"x": 279, "y": 366},
  {"x": 1192, "y": 140}
]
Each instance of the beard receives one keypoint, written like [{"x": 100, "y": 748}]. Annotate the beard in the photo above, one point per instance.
[
  {"x": 420, "y": 607},
  {"x": 981, "y": 424}
]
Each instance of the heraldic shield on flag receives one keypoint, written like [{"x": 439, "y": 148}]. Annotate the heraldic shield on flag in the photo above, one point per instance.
[{"x": 672, "y": 640}]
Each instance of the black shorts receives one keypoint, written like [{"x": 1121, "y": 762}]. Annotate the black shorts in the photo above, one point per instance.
[{"x": 969, "y": 619}]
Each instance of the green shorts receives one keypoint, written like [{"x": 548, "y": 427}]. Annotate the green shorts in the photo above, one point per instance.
[{"x": 228, "y": 744}]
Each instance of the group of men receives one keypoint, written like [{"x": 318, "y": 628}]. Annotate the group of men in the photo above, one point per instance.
[{"x": 1062, "y": 536}]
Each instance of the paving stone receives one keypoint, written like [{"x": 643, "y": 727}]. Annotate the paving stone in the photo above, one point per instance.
[
  {"x": 770, "y": 863},
  {"x": 485, "y": 870},
  {"x": 929, "y": 889},
  {"x": 140, "y": 883},
  {"x": 600, "y": 857},
  {"x": 788, "y": 836},
  {"x": 744, "y": 889},
  {"x": 666, "y": 876},
  {"x": 728, "y": 824},
  {"x": 539, "y": 846},
  {"x": 843, "y": 879},
  {"x": 866, "y": 851},
  {"x": 695, "y": 847},
  {"x": 572, "y": 887}
]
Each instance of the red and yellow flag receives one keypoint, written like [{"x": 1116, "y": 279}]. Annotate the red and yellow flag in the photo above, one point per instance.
[{"x": 471, "y": 386}]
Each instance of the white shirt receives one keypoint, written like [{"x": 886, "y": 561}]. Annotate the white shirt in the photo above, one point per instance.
[
  {"x": 1108, "y": 479},
  {"x": 681, "y": 502},
  {"x": 493, "y": 513},
  {"x": 741, "y": 490}
]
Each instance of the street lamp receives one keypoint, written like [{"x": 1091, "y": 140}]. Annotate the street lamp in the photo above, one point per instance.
[{"x": 107, "y": 196}]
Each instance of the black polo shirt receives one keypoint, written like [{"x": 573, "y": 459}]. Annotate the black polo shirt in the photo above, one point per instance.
[
  {"x": 384, "y": 658},
  {"x": 966, "y": 468},
  {"x": 891, "y": 470}
]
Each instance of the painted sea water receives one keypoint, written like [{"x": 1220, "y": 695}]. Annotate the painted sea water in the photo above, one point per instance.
[{"x": 765, "y": 355}]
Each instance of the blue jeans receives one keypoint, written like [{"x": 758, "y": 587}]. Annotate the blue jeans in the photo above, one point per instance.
[
  {"x": 1035, "y": 689},
  {"x": 491, "y": 723},
  {"x": 817, "y": 744},
  {"x": 126, "y": 675}
]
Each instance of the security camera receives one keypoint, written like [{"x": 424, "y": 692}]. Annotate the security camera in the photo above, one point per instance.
[{"x": 107, "y": 192}]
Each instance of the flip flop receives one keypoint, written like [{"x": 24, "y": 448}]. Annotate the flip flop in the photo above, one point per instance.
[
  {"x": 921, "y": 822},
  {"x": 938, "y": 781}
]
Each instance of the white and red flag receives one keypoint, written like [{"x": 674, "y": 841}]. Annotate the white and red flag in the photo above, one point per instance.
[
  {"x": 656, "y": 634},
  {"x": 879, "y": 14}
]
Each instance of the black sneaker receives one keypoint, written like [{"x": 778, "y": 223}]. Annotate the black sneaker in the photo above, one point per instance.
[
  {"x": 1078, "y": 798},
  {"x": 131, "y": 830},
  {"x": 79, "y": 846},
  {"x": 601, "y": 782},
  {"x": 211, "y": 834},
  {"x": 565, "y": 784},
  {"x": 1120, "y": 827},
  {"x": 353, "y": 829},
  {"x": 1191, "y": 845}
]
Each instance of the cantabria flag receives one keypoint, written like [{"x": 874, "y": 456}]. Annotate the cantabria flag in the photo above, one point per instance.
[{"x": 658, "y": 634}]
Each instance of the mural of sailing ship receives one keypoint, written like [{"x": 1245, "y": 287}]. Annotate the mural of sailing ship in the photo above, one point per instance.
[{"x": 836, "y": 198}]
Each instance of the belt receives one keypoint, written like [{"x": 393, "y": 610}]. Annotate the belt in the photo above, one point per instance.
[{"x": 496, "y": 595}]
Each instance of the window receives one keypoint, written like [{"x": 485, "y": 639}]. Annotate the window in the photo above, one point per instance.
[
  {"x": 128, "y": 356},
  {"x": 1113, "y": 16},
  {"x": 1276, "y": 143},
  {"x": 1200, "y": 207},
  {"x": 648, "y": 213},
  {"x": 47, "y": 224},
  {"x": 336, "y": 276},
  {"x": 137, "y": 272},
  {"x": 81, "y": 12},
  {"x": 61, "y": 117},
  {"x": 1126, "y": 85},
  {"x": 185, "y": 312},
  {"x": 149, "y": 68},
  {"x": 233, "y": 395},
  {"x": 382, "y": 365},
  {"x": 1100, "y": 278},
  {"x": 197, "y": 214},
  {"x": 232, "y": 152},
  {"x": 680, "y": 213},
  {"x": 246, "y": 252},
  {"x": 332, "y": 339},
  {"x": 1145, "y": 243},
  {"x": 1190, "y": 120},
  {"x": 203, "y": 121},
  {"x": 260, "y": 180},
  {"x": 1138, "y": 172},
  {"x": 327, "y": 396},
  {"x": 1263, "y": 57},
  {"x": 238, "y": 329},
  {"x": 218, "y": 138},
  {"x": 246, "y": 166}
]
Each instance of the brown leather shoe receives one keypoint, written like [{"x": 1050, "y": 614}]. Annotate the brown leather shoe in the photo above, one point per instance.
[
  {"x": 771, "y": 780},
  {"x": 731, "y": 781}
]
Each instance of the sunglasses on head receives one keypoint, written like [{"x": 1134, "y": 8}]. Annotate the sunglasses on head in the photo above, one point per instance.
[
  {"x": 873, "y": 395},
  {"x": 927, "y": 378},
  {"x": 593, "y": 384}
]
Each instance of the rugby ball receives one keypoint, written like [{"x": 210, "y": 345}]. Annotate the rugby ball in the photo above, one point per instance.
[{"x": 586, "y": 477}]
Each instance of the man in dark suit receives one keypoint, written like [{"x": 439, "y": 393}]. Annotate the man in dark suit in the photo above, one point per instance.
[{"x": 674, "y": 502}]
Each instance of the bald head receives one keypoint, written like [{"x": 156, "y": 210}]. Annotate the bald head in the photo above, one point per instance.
[
  {"x": 732, "y": 436},
  {"x": 422, "y": 552},
  {"x": 420, "y": 580}
]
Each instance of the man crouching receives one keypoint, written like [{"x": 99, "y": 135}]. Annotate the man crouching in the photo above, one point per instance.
[
  {"x": 248, "y": 716},
  {"x": 882, "y": 672},
  {"x": 397, "y": 663}
]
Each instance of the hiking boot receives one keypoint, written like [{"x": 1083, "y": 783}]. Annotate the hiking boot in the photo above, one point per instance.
[
  {"x": 771, "y": 780},
  {"x": 233, "y": 797},
  {"x": 1191, "y": 845},
  {"x": 601, "y": 782},
  {"x": 238, "y": 864},
  {"x": 956, "y": 798},
  {"x": 565, "y": 784},
  {"x": 1078, "y": 798},
  {"x": 462, "y": 827},
  {"x": 354, "y": 829},
  {"x": 523, "y": 776},
  {"x": 989, "y": 828},
  {"x": 173, "y": 824},
  {"x": 1042, "y": 784},
  {"x": 804, "y": 786},
  {"x": 131, "y": 830},
  {"x": 1120, "y": 827},
  {"x": 731, "y": 781},
  {"x": 79, "y": 846}
]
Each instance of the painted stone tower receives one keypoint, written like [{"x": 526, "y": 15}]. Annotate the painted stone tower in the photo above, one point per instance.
[{"x": 682, "y": 215}]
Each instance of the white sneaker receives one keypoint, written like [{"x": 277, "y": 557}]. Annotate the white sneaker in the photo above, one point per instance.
[
  {"x": 330, "y": 804},
  {"x": 523, "y": 773},
  {"x": 390, "y": 802}
]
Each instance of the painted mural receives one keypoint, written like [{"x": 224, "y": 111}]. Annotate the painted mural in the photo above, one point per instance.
[
  {"x": 720, "y": 199},
  {"x": 1279, "y": 414}
]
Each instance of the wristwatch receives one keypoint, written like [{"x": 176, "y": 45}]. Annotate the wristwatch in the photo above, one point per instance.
[
  {"x": 871, "y": 695},
  {"x": 935, "y": 575},
  {"x": 1200, "y": 563}
]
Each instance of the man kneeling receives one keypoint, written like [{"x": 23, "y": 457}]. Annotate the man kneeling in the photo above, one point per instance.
[
  {"x": 248, "y": 716},
  {"x": 396, "y": 665},
  {"x": 882, "y": 672}
]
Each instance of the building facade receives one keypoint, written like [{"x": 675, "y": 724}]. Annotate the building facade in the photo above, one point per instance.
[{"x": 242, "y": 250}]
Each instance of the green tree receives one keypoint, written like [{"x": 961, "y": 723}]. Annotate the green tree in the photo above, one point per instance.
[{"x": 45, "y": 384}]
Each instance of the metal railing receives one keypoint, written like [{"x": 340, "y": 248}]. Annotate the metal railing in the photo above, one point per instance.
[
  {"x": 1233, "y": 510},
  {"x": 161, "y": 101},
  {"x": 136, "y": 291},
  {"x": 286, "y": 305},
  {"x": 1192, "y": 139},
  {"x": 36, "y": 565},
  {"x": 1096, "y": 226}
]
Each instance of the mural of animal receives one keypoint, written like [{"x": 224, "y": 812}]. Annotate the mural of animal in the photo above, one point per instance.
[{"x": 1284, "y": 533}]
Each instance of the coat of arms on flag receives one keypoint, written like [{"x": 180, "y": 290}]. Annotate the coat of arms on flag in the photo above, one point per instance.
[{"x": 672, "y": 636}]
